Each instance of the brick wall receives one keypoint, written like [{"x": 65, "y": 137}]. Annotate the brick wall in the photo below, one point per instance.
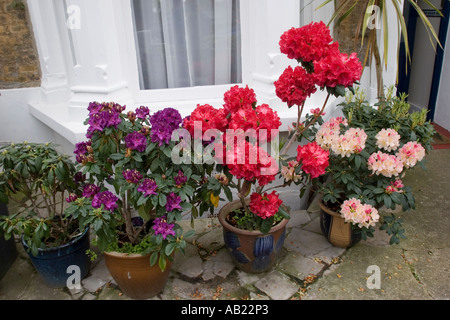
[
  {"x": 345, "y": 32},
  {"x": 19, "y": 62}
]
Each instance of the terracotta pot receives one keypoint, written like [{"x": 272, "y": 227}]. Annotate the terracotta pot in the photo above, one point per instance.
[
  {"x": 135, "y": 276},
  {"x": 338, "y": 232},
  {"x": 252, "y": 251}
]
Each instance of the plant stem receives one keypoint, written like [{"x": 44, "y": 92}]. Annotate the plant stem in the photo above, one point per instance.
[{"x": 299, "y": 132}]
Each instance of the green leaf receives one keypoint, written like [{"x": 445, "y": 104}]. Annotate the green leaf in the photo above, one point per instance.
[
  {"x": 228, "y": 193},
  {"x": 283, "y": 213},
  {"x": 169, "y": 248},
  {"x": 154, "y": 258},
  {"x": 266, "y": 225},
  {"x": 162, "y": 199},
  {"x": 162, "y": 262},
  {"x": 189, "y": 234},
  {"x": 116, "y": 156}
]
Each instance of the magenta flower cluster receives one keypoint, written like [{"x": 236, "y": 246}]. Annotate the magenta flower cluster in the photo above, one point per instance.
[
  {"x": 147, "y": 187},
  {"x": 105, "y": 198},
  {"x": 164, "y": 122},
  {"x": 142, "y": 112},
  {"x": 103, "y": 115},
  {"x": 180, "y": 178},
  {"x": 136, "y": 141},
  {"x": 132, "y": 175},
  {"x": 173, "y": 202},
  {"x": 81, "y": 151},
  {"x": 163, "y": 228},
  {"x": 90, "y": 190}
]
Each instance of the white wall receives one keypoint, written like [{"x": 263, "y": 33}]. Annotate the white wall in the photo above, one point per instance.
[
  {"x": 17, "y": 124},
  {"x": 442, "y": 112}
]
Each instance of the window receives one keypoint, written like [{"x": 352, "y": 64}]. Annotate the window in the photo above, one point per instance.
[{"x": 186, "y": 43}]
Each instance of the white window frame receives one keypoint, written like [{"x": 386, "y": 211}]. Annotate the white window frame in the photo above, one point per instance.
[{"x": 184, "y": 99}]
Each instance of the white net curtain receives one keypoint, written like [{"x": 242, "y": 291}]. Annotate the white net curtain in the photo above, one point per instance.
[{"x": 186, "y": 43}]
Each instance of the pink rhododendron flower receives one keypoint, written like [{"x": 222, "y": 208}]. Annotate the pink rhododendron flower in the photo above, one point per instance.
[
  {"x": 288, "y": 172},
  {"x": 364, "y": 215},
  {"x": 388, "y": 139},
  {"x": 316, "y": 112},
  {"x": 411, "y": 153},
  {"x": 329, "y": 132},
  {"x": 385, "y": 164},
  {"x": 352, "y": 141}
]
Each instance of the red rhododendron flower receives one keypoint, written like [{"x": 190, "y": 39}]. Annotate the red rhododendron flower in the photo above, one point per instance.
[
  {"x": 263, "y": 117},
  {"x": 308, "y": 43},
  {"x": 295, "y": 85},
  {"x": 337, "y": 69},
  {"x": 210, "y": 118},
  {"x": 269, "y": 120},
  {"x": 266, "y": 205},
  {"x": 250, "y": 162},
  {"x": 237, "y": 97},
  {"x": 314, "y": 159}
]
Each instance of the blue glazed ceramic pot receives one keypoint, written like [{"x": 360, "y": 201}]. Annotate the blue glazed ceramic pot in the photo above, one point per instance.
[
  {"x": 252, "y": 251},
  {"x": 52, "y": 264}
]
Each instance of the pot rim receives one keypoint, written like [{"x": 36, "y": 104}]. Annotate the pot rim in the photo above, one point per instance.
[
  {"x": 235, "y": 204},
  {"x": 125, "y": 255},
  {"x": 328, "y": 210},
  {"x": 51, "y": 249}
]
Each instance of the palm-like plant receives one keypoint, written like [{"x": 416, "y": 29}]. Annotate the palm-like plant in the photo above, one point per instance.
[{"x": 365, "y": 27}]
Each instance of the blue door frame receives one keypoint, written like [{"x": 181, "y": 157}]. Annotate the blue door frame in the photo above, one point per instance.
[{"x": 405, "y": 69}]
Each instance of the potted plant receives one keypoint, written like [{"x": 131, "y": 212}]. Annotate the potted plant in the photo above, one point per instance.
[
  {"x": 39, "y": 178},
  {"x": 371, "y": 149},
  {"x": 358, "y": 180},
  {"x": 8, "y": 251},
  {"x": 136, "y": 192},
  {"x": 237, "y": 136}
]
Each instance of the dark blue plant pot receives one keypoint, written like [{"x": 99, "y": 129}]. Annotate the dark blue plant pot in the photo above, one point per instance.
[
  {"x": 8, "y": 251},
  {"x": 252, "y": 251},
  {"x": 53, "y": 264}
]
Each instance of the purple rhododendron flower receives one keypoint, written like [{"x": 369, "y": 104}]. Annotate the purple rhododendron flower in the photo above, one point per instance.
[
  {"x": 180, "y": 178},
  {"x": 173, "y": 202},
  {"x": 90, "y": 190},
  {"x": 164, "y": 122},
  {"x": 147, "y": 187},
  {"x": 72, "y": 197},
  {"x": 142, "y": 112},
  {"x": 163, "y": 228},
  {"x": 132, "y": 176},
  {"x": 103, "y": 115},
  {"x": 107, "y": 198},
  {"x": 136, "y": 141},
  {"x": 81, "y": 150}
]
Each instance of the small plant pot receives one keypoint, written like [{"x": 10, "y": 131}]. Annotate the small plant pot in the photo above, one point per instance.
[
  {"x": 135, "y": 276},
  {"x": 338, "y": 232},
  {"x": 252, "y": 251},
  {"x": 52, "y": 264},
  {"x": 8, "y": 251}
]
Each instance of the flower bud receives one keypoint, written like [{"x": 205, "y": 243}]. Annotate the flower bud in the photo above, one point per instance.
[{"x": 222, "y": 178}]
